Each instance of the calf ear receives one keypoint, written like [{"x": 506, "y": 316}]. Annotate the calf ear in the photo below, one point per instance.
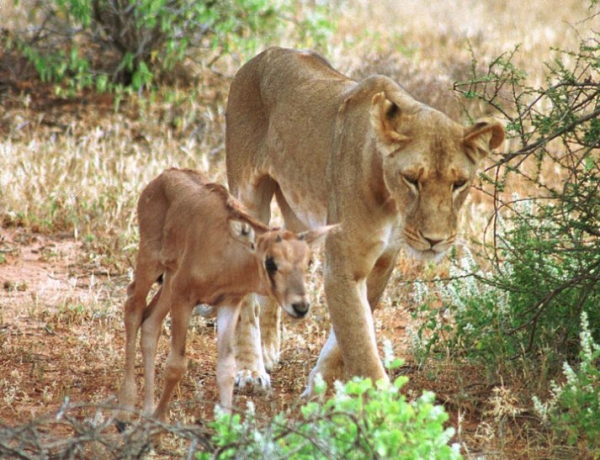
[
  {"x": 485, "y": 135},
  {"x": 316, "y": 235},
  {"x": 386, "y": 117},
  {"x": 243, "y": 232}
]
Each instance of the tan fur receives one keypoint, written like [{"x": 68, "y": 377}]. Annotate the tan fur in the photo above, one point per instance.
[
  {"x": 208, "y": 251},
  {"x": 365, "y": 154}
]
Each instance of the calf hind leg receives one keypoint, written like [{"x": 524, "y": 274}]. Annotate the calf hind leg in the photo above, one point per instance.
[
  {"x": 151, "y": 329},
  {"x": 134, "y": 313},
  {"x": 227, "y": 317}
]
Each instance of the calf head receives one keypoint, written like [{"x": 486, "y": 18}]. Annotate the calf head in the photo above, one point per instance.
[{"x": 283, "y": 258}]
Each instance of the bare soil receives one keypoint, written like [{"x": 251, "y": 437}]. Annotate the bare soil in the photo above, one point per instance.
[{"x": 61, "y": 336}]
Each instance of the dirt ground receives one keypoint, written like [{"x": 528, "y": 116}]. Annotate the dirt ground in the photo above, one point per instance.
[{"x": 61, "y": 336}]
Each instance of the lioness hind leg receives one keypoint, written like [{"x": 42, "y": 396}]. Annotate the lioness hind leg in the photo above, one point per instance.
[
  {"x": 251, "y": 370},
  {"x": 270, "y": 313}
]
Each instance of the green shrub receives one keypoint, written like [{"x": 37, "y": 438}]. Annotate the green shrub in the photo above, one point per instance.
[
  {"x": 525, "y": 307},
  {"x": 112, "y": 44},
  {"x": 361, "y": 421},
  {"x": 543, "y": 270},
  {"x": 472, "y": 321},
  {"x": 574, "y": 406}
]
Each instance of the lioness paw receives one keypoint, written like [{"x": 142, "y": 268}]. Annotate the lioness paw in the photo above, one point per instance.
[
  {"x": 271, "y": 355},
  {"x": 252, "y": 380}
]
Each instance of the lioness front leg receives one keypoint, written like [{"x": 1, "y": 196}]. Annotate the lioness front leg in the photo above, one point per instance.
[
  {"x": 331, "y": 363},
  {"x": 354, "y": 284},
  {"x": 248, "y": 354}
]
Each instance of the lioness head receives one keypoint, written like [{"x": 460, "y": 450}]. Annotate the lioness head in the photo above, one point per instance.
[{"x": 429, "y": 163}]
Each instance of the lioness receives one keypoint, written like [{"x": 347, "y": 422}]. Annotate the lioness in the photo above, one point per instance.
[{"x": 389, "y": 169}]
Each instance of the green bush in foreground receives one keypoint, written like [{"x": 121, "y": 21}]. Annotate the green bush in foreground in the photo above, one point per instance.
[{"x": 361, "y": 421}]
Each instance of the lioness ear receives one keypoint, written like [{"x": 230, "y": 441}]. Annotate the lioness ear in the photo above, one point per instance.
[
  {"x": 243, "y": 232},
  {"x": 485, "y": 135},
  {"x": 316, "y": 235},
  {"x": 385, "y": 116}
]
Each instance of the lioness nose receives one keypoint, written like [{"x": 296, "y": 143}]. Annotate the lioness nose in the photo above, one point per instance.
[
  {"x": 301, "y": 308},
  {"x": 432, "y": 242}
]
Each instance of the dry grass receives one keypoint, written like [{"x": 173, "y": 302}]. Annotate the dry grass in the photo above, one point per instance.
[{"x": 72, "y": 171}]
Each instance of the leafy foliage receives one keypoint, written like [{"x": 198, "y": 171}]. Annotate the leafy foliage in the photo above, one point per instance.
[
  {"x": 574, "y": 406},
  {"x": 361, "y": 421},
  {"x": 521, "y": 314},
  {"x": 545, "y": 259},
  {"x": 112, "y": 44}
]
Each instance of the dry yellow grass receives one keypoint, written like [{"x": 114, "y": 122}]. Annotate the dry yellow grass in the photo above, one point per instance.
[{"x": 74, "y": 169}]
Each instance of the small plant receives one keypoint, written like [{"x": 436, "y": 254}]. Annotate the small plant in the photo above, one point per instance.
[
  {"x": 361, "y": 421},
  {"x": 574, "y": 405},
  {"x": 472, "y": 320}
]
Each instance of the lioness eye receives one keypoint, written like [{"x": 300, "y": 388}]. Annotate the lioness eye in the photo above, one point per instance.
[
  {"x": 458, "y": 184},
  {"x": 411, "y": 181},
  {"x": 270, "y": 265}
]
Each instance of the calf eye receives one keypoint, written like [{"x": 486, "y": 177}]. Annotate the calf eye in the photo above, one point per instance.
[{"x": 270, "y": 265}]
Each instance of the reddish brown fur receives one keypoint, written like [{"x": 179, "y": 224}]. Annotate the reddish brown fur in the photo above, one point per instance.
[{"x": 200, "y": 239}]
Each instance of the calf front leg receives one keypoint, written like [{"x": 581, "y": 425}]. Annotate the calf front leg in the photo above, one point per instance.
[
  {"x": 248, "y": 354},
  {"x": 227, "y": 317},
  {"x": 270, "y": 332}
]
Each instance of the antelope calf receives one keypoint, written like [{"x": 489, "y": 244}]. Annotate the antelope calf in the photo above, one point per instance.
[{"x": 207, "y": 250}]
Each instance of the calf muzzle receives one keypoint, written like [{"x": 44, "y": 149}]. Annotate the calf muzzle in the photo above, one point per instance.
[{"x": 301, "y": 308}]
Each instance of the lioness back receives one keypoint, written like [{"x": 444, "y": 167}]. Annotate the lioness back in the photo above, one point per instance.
[{"x": 270, "y": 113}]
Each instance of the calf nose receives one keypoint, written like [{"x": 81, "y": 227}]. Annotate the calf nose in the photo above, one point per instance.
[{"x": 301, "y": 308}]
